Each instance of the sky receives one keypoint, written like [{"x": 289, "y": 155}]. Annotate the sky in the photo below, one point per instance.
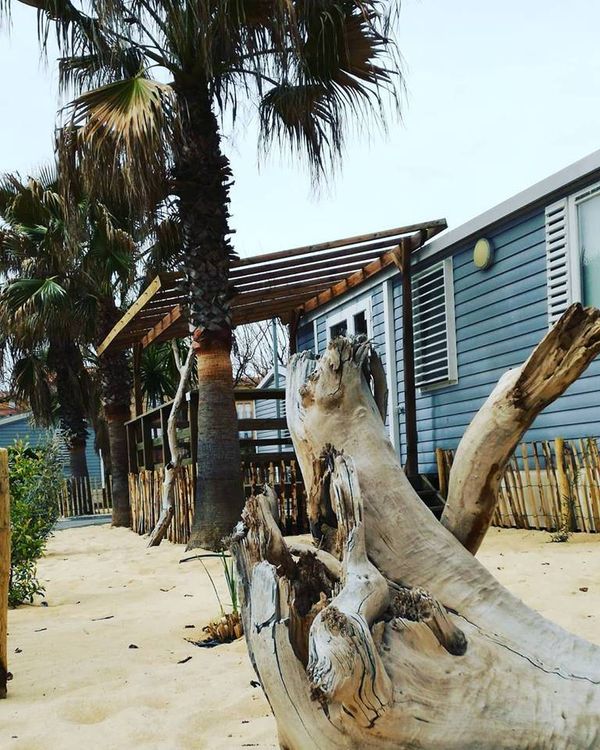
[{"x": 499, "y": 96}]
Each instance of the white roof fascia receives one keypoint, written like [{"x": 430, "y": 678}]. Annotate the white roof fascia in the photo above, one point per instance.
[
  {"x": 15, "y": 418},
  {"x": 542, "y": 191},
  {"x": 269, "y": 375}
]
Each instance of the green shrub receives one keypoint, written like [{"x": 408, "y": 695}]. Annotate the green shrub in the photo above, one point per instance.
[{"x": 36, "y": 482}]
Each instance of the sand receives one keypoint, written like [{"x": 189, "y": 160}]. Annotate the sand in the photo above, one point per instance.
[{"x": 78, "y": 683}]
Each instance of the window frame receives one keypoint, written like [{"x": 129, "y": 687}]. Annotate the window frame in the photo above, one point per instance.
[
  {"x": 347, "y": 313},
  {"x": 572, "y": 253},
  {"x": 450, "y": 320},
  {"x": 573, "y": 201}
]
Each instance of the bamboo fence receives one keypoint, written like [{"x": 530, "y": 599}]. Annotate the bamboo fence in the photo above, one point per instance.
[
  {"x": 283, "y": 475},
  {"x": 546, "y": 484},
  {"x": 83, "y": 496}
]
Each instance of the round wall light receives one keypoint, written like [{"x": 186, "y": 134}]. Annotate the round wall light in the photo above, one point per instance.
[{"x": 483, "y": 253}]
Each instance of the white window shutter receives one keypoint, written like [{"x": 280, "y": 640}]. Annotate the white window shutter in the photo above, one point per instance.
[
  {"x": 432, "y": 326},
  {"x": 558, "y": 272}
]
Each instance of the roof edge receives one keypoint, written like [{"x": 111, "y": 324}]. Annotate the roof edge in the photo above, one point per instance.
[{"x": 519, "y": 203}]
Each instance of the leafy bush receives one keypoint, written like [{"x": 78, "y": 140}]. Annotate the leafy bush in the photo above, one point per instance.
[{"x": 36, "y": 482}]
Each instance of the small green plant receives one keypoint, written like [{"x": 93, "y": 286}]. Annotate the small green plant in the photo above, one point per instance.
[
  {"x": 229, "y": 626},
  {"x": 36, "y": 482}
]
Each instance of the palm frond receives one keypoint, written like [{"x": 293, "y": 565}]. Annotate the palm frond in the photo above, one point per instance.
[
  {"x": 123, "y": 132},
  {"x": 31, "y": 384}
]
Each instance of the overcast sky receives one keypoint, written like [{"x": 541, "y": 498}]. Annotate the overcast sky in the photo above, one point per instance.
[{"x": 499, "y": 95}]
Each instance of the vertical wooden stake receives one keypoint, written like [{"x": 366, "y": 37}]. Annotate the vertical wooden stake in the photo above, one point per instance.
[
  {"x": 441, "y": 468},
  {"x": 4, "y": 568},
  {"x": 563, "y": 490}
]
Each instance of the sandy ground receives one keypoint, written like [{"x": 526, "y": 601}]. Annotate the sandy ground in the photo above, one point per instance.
[{"x": 78, "y": 683}]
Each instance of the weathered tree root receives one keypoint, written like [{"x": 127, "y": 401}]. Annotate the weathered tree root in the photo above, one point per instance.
[{"x": 415, "y": 644}]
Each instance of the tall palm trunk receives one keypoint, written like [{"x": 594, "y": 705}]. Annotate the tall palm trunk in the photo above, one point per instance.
[
  {"x": 116, "y": 385},
  {"x": 65, "y": 359},
  {"x": 202, "y": 182}
]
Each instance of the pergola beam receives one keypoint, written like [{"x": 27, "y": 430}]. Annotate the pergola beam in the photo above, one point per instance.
[
  {"x": 163, "y": 325},
  {"x": 306, "y": 249},
  {"x": 137, "y": 306},
  {"x": 282, "y": 284}
]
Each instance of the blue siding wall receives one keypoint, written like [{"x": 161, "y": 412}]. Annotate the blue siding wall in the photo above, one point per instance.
[
  {"x": 501, "y": 314},
  {"x": 305, "y": 338},
  {"x": 22, "y": 429}
]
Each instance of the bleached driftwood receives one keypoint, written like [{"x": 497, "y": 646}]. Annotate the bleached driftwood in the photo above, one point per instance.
[
  {"x": 521, "y": 394},
  {"x": 415, "y": 645},
  {"x": 173, "y": 466}
]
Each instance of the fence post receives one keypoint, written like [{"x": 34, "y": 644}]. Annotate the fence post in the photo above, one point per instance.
[
  {"x": 564, "y": 491},
  {"x": 441, "y": 469},
  {"x": 4, "y": 568}
]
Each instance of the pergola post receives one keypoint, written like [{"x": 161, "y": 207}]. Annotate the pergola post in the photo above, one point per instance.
[
  {"x": 137, "y": 382},
  {"x": 408, "y": 352}
]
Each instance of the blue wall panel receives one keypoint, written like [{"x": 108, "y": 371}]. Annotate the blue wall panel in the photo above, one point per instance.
[
  {"x": 22, "y": 429},
  {"x": 305, "y": 339},
  {"x": 501, "y": 314}
]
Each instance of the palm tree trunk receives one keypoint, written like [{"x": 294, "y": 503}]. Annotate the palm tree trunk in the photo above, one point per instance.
[
  {"x": 116, "y": 388},
  {"x": 202, "y": 182}
]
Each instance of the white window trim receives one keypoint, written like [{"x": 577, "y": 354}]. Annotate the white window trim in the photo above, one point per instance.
[
  {"x": 450, "y": 317},
  {"x": 347, "y": 314},
  {"x": 573, "y": 230},
  {"x": 573, "y": 259}
]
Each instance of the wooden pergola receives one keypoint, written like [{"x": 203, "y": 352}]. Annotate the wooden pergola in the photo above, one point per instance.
[
  {"x": 283, "y": 284},
  {"x": 286, "y": 285}
]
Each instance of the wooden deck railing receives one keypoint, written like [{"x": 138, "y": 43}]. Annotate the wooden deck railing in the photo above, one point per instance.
[{"x": 267, "y": 457}]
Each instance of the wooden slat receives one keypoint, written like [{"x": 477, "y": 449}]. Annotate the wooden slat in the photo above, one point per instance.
[
  {"x": 348, "y": 253},
  {"x": 152, "y": 288},
  {"x": 342, "y": 263},
  {"x": 265, "y": 423},
  {"x": 163, "y": 325},
  {"x": 397, "y": 232},
  {"x": 159, "y": 313},
  {"x": 256, "y": 442},
  {"x": 259, "y": 394}
]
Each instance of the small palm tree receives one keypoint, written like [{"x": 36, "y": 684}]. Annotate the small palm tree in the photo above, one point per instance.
[{"x": 150, "y": 79}]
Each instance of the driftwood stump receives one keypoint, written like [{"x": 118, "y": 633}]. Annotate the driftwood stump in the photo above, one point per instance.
[{"x": 392, "y": 635}]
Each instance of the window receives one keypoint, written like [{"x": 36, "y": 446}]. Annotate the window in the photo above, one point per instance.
[
  {"x": 433, "y": 326},
  {"x": 351, "y": 321},
  {"x": 573, "y": 252}
]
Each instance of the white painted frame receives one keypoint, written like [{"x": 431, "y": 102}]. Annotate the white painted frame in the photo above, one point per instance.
[
  {"x": 391, "y": 366},
  {"x": 573, "y": 201},
  {"x": 347, "y": 313},
  {"x": 449, "y": 309}
]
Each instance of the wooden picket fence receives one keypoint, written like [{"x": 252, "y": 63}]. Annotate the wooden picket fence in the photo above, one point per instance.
[
  {"x": 283, "y": 475},
  {"x": 83, "y": 496},
  {"x": 145, "y": 491},
  {"x": 530, "y": 497}
]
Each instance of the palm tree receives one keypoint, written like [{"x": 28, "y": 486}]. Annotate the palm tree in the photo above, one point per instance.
[
  {"x": 310, "y": 66},
  {"x": 37, "y": 315},
  {"x": 63, "y": 267}
]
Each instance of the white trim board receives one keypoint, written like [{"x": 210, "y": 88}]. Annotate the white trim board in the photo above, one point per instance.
[
  {"x": 16, "y": 418},
  {"x": 544, "y": 191},
  {"x": 347, "y": 313}
]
